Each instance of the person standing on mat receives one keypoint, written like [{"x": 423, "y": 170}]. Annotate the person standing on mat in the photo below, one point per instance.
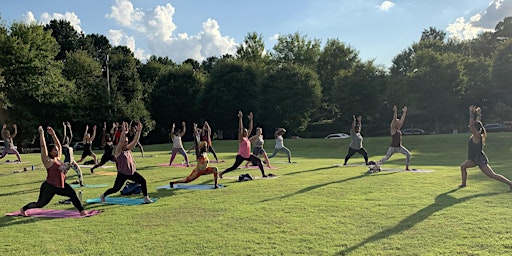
[
  {"x": 396, "y": 138},
  {"x": 258, "y": 150},
  {"x": 476, "y": 155},
  {"x": 56, "y": 175},
  {"x": 177, "y": 145},
  {"x": 356, "y": 146},
  {"x": 87, "y": 140},
  {"x": 9, "y": 142},
  {"x": 108, "y": 148},
  {"x": 202, "y": 163},
  {"x": 67, "y": 151},
  {"x": 206, "y": 136},
  {"x": 126, "y": 169},
  {"x": 278, "y": 135},
  {"x": 244, "y": 147}
]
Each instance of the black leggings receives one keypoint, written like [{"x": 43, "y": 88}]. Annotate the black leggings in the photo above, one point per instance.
[
  {"x": 240, "y": 159},
  {"x": 47, "y": 192},
  {"x": 104, "y": 160},
  {"x": 352, "y": 151},
  {"x": 120, "y": 180},
  {"x": 212, "y": 150}
]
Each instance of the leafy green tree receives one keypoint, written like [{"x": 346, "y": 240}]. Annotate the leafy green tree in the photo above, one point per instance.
[
  {"x": 65, "y": 35},
  {"x": 291, "y": 93},
  {"x": 34, "y": 85},
  {"x": 334, "y": 58},
  {"x": 296, "y": 49},
  {"x": 252, "y": 49}
]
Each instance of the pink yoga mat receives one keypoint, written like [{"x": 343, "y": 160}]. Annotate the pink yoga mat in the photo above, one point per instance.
[
  {"x": 49, "y": 213},
  {"x": 177, "y": 165}
]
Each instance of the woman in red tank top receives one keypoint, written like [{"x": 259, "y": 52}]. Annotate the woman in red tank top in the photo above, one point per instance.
[{"x": 56, "y": 174}]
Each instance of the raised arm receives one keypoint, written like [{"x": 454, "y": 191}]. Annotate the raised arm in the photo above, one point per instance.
[
  {"x": 104, "y": 134},
  {"x": 402, "y": 118},
  {"x": 137, "y": 136},
  {"x": 240, "y": 126},
  {"x": 183, "y": 129},
  {"x": 70, "y": 133},
  {"x": 359, "y": 122},
  {"x": 114, "y": 128},
  {"x": 249, "y": 131},
  {"x": 196, "y": 140},
  {"x": 55, "y": 140},
  {"x": 472, "y": 128},
  {"x": 85, "y": 134},
  {"x": 122, "y": 139},
  {"x": 15, "y": 131},
  {"x": 42, "y": 142},
  {"x": 172, "y": 130},
  {"x": 353, "y": 127},
  {"x": 64, "y": 135},
  {"x": 93, "y": 133}
]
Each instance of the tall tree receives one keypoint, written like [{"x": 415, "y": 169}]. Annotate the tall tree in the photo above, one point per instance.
[
  {"x": 297, "y": 49},
  {"x": 252, "y": 49},
  {"x": 65, "y": 35}
]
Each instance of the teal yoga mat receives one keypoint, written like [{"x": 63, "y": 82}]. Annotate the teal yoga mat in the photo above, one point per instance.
[{"x": 118, "y": 200}]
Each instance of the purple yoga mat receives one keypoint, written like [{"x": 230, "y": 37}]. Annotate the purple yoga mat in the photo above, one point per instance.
[{"x": 49, "y": 213}]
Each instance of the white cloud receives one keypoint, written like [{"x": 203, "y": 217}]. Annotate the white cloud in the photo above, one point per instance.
[
  {"x": 481, "y": 22},
  {"x": 157, "y": 27},
  {"x": 68, "y": 16},
  {"x": 118, "y": 37},
  {"x": 28, "y": 18},
  {"x": 385, "y": 6}
]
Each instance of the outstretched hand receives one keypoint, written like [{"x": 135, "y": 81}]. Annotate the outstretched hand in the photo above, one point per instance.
[
  {"x": 50, "y": 130},
  {"x": 395, "y": 108},
  {"x": 240, "y": 115},
  {"x": 40, "y": 130},
  {"x": 404, "y": 109}
]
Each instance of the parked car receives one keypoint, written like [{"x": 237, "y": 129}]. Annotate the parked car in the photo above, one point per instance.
[
  {"x": 337, "y": 136},
  {"x": 413, "y": 131},
  {"x": 496, "y": 127}
]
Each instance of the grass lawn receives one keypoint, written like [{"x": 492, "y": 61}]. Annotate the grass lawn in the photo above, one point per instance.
[{"x": 313, "y": 208}]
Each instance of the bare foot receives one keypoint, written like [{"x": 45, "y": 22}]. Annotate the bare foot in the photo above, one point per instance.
[
  {"x": 84, "y": 213},
  {"x": 147, "y": 200},
  {"x": 462, "y": 185},
  {"x": 23, "y": 213},
  {"x": 102, "y": 198}
]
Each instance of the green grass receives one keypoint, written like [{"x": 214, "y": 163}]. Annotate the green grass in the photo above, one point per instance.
[{"x": 314, "y": 208}]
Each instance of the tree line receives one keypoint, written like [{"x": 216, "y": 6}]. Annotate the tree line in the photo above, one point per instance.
[{"x": 52, "y": 73}]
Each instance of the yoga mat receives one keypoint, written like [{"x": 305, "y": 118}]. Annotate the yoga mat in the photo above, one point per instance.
[
  {"x": 347, "y": 165},
  {"x": 90, "y": 166},
  {"x": 177, "y": 165},
  {"x": 49, "y": 213},
  {"x": 277, "y": 162},
  {"x": 89, "y": 185},
  {"x": 14, "y": 162},
  {"x": 105, "y": 173},
  {"x": 402, "y": 170},
  {"x": 256, "y": 167},
  {"x": 190, "y": 186},
  {"x": 253, "y": 177},
  {"x": 119, "y": 200}
]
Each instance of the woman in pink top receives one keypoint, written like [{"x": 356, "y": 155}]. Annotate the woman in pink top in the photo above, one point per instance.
[
  {"x": 56, "y": 175},
  {"x": 125, "y": 165},
  {"x": 244, "y": 147}
]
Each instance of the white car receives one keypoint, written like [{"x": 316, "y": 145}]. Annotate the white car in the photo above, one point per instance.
[{"x": 337, "y": 136}]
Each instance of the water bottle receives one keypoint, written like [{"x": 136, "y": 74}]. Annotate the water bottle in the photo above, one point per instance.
[
  {"x": 32, "y": 167},
  {"x": 80, "y": 195}
]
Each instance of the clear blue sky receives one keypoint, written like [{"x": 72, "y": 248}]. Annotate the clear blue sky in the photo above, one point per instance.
[{"x": 202, "y": 28}]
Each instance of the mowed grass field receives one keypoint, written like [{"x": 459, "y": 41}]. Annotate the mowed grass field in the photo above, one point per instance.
[{"x": 313, "y": 208}]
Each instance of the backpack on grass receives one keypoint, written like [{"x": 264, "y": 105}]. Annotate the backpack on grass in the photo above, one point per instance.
[{"x": 131, "y": 188}]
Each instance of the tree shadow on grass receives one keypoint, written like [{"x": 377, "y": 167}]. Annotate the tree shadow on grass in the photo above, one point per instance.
[
  {"x": 442, "y": 201},
  {"x": 307, "y": 189},
  {"x": 312, "y": 170}
]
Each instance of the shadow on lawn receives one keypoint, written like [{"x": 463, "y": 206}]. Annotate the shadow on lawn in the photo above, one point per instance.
[
  {"x": 307, "y": 189},
  {"x": 442, "y": 201}
]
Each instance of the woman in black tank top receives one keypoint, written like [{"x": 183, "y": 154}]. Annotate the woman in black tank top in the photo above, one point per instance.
[{"x": 476, "y": 155}]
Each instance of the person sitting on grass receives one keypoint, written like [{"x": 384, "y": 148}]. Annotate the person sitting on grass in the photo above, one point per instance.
[
  {"x": 476, "y": 155},
  {"x": 56, "y": 175},
  {"x": 202, "y": 163}
]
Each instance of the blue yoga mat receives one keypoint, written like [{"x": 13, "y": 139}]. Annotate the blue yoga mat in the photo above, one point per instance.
[
  {"x": 190, "y": 186},
  {"x": 119, "y": 200},
  {"x": 89, "y": 186}
]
